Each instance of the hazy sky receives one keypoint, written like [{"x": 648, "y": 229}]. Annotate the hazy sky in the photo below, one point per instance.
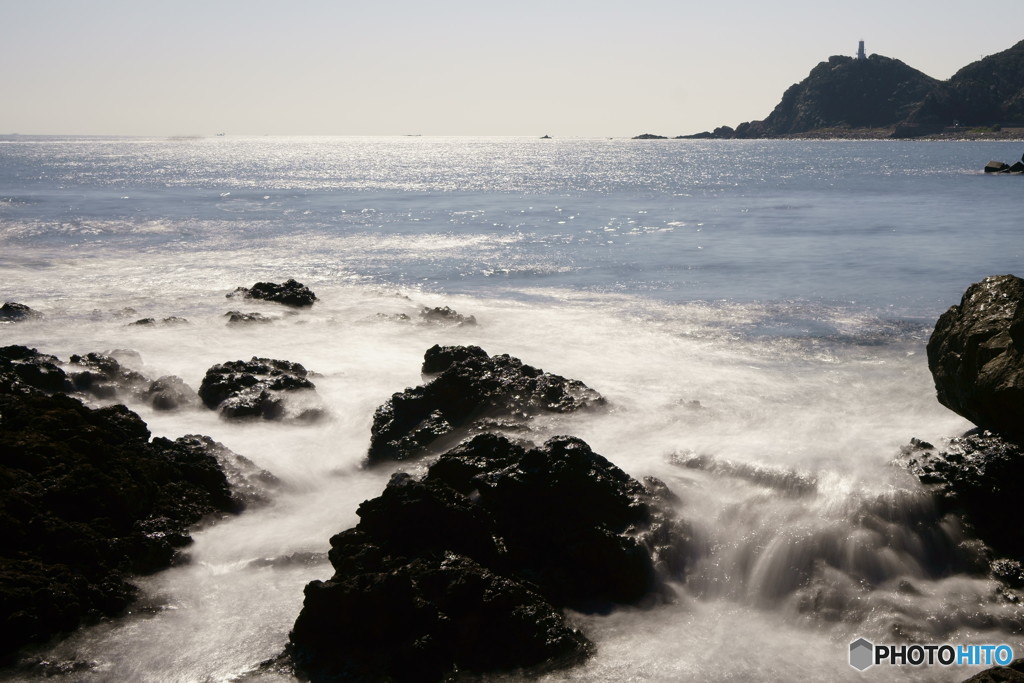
[{"x": 451, "y": 67}]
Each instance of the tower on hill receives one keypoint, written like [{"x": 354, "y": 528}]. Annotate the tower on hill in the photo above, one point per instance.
[{"x": 860, "y": 52}]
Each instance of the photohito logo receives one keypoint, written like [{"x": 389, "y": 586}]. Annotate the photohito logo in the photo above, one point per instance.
[{"x": 864, "y": 654}]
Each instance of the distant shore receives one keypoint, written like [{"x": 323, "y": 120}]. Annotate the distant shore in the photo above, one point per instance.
[{"x": 965, "y": 134}]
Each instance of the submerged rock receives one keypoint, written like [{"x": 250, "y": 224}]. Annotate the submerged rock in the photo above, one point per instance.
[
  {"x": 976, "y": 356},
  {"x": 290, "y": 293},
  {"x": 465, "y": 569},
  {"x": 471, "y": 386},
  {"x": 261, "y": 388},
  {"x": 239, "y": 318},
  {"x": 12, "y": 312},
  {"x": 445, "y": 316},
  {"x": 87, "y": 499}
]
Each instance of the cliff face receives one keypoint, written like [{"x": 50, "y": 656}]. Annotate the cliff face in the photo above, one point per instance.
[
  {"x": 846, "y": 93},
  {"x": 985, "y": 92}
]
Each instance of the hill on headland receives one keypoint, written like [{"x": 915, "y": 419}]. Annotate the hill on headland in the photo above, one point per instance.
[{"x": 882, "y": 97}]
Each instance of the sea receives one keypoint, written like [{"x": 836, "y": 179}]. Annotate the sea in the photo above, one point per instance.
[{"x": 754, "y": 312}]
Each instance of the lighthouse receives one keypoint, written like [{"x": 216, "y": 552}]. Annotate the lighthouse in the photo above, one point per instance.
[{"x": 860, "y": 52}]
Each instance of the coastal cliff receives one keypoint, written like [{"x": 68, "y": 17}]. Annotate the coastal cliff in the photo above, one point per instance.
[{"x": 879, "y": 97}]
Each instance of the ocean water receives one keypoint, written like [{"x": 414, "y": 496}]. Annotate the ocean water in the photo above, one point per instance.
[{"x": 755, "y": 312}]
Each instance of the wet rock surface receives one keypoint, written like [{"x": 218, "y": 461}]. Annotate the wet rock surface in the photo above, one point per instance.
[
  {"x": 86, "y": 500},
  {"x": 289, "y": 293},
  {"x": 976, "y": 356},
  {"x": 980, "y": 476},
  {"x": 262, "y": 388},
  {"x": 465, "y": 569},
  {"x": 470, "y": 386}
]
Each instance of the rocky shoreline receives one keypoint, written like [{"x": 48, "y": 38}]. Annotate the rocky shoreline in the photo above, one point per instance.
[{"x": 465, "y": 566}]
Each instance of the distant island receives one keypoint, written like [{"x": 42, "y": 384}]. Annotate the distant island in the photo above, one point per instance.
[{"x": 878, "y": 97}]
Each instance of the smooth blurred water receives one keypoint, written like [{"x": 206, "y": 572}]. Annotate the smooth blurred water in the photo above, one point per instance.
[{"x": 755, "y": 312}]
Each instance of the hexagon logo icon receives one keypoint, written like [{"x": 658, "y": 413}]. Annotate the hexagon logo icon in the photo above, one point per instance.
[{"x": 862, "y": 654}]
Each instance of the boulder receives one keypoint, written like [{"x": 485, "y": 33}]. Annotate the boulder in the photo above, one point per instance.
[
  {"x": 976, "y": 356},
  {"x": 997, "y": 167},
  {"x": 289, "y": 293},
  {"x": 464, "y": 570},
  {"x": 86, "y": 500},
  {"x": 471, "y": 387},
  {"x": 261, "y": 388},
  {"x": 12, "y": 312}
]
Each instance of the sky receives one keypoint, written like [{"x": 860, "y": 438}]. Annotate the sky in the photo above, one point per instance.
[{"x": 450, "y": 67}]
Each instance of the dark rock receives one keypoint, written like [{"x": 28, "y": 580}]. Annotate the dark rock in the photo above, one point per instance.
[
  {"x": 446, "y": 316},
  {"x": 439, "y": 358},
  {"x": 290, "y": 293},
  {"x": 23, "y": 370},
  {"x": 239, "y": 318},
  {"x": 473, "y": 388},
  {"x": 261, "y": 388},
  {"x": 976, "y": 356},
  {"x": 1013, "y": 673},
  {"x": 979, "y": 476},
  {"x": 649, "y": 136},
  {"x": 12, "y": 312},
  {"x": 1017, "y": 167},
  {"x": 106, "y": 377},
  {"x": 86, "y": 500},
  {"x": 996, "y": 167},
  {"x": 463, "y": 570},
  {"x": 169, "y": 393}
]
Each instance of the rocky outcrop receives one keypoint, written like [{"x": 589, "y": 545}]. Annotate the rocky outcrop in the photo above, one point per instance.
[
  {"x": 471, "y": 386},
  {"x": 976, "y": 355},
  {"x": 94, "y": 375},
  {"x": 239, "y": 318},
  {"x": 289, "y": 293},
  {"x": 86, "y": 500},
  {"x": 12, "y": 312},
  {"x": 977, "y": 476},
  {"x": 465, "y": 569},
  {"x": 261, "y": 388}
]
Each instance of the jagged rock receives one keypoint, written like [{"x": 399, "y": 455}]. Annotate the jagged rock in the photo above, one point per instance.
[
  {"x": 261, "y": 388},
  {"x": 996, "y": 167},
  {"x": 475, "y": 387},
  {"x": 979, "y": 476},
  {"x": 464, "y": 569},
  {"x": 86, "y": 499},
  {"x": 446, "y": 316},
  {"x": 12, "y": 312},
  {"x": 290, "y": 293},
  {"x": 23, "y": 369},
  {"x": 439, "y": 358},
  {"x": 976, "y": 356},
  {"x": 105, "y": 377}
]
